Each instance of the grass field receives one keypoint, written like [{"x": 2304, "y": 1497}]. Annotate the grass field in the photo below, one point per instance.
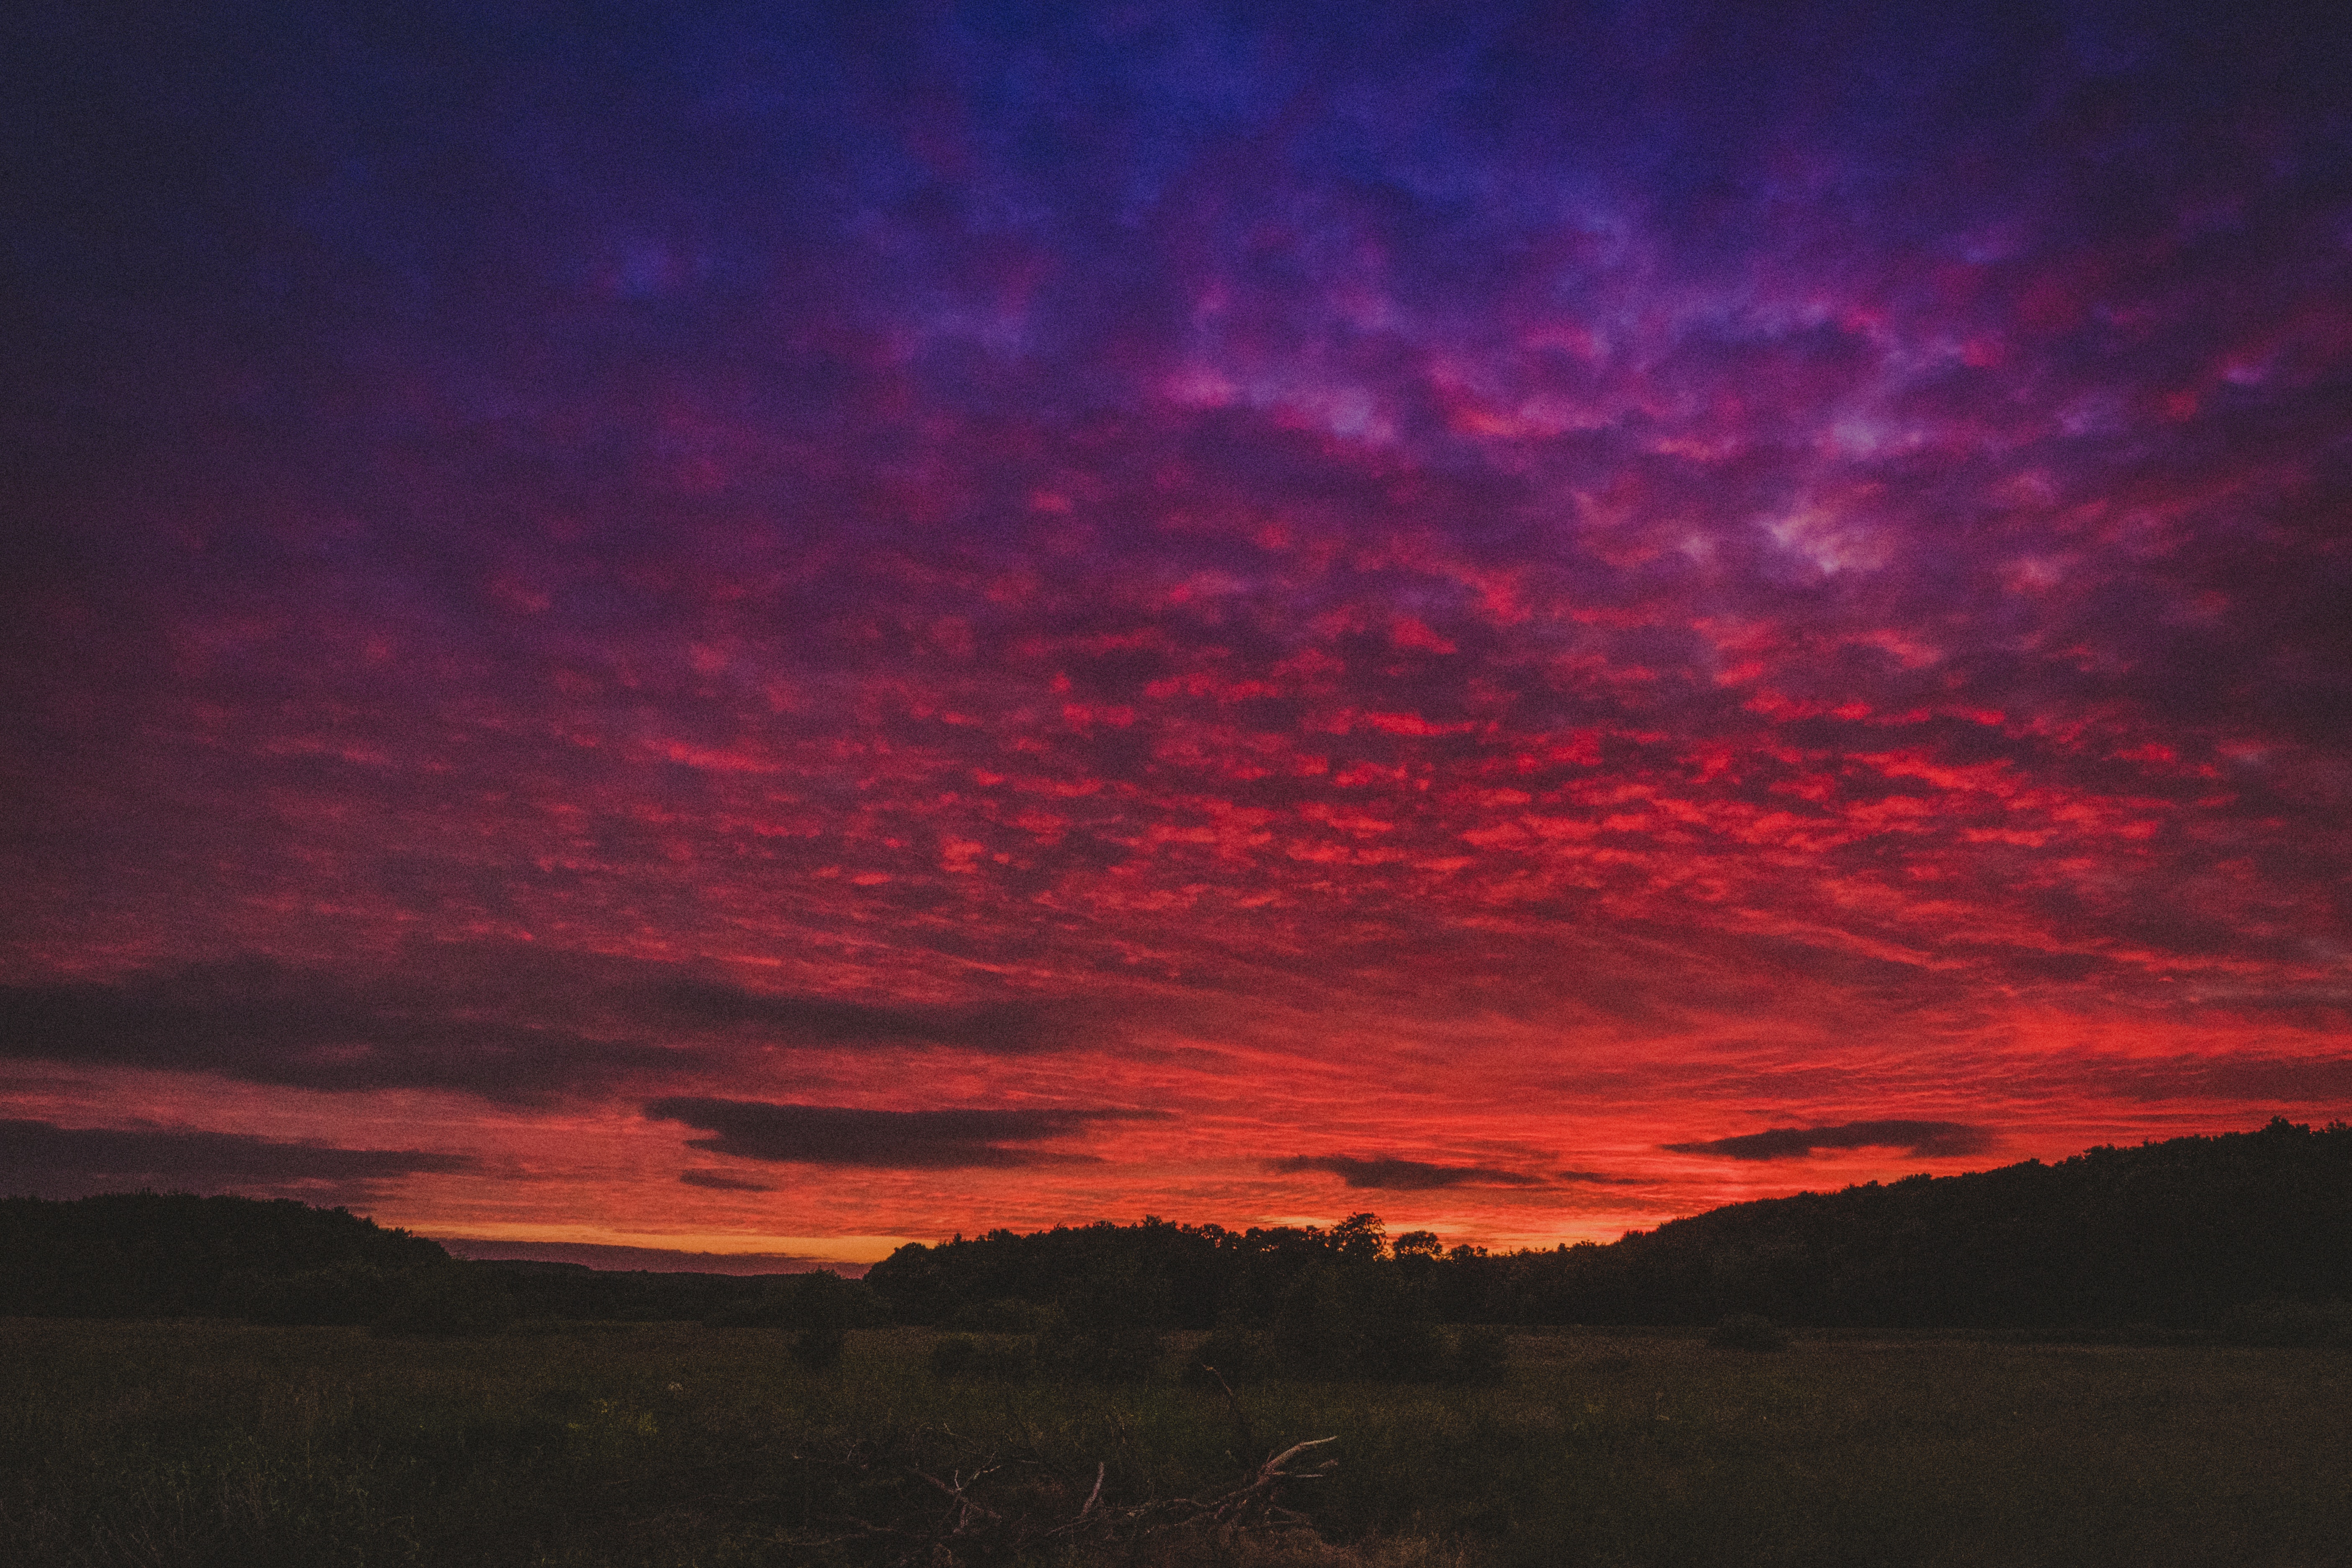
[{"x": 202, "y": 1443}]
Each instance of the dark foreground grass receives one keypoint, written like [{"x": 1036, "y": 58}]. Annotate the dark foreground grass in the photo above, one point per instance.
[{"x": 192, "y": 1444}]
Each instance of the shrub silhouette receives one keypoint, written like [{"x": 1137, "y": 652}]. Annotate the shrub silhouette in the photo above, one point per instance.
[
  {"x": 1100, "y": 1355},
  {"x": 803, "y": 1301},
  {"x": 999, "y": 1315},
  {"x": 1107, "y": 1328},
  {"x": 954, "y": 1357},
  {"x": 962, "y": 1356},
  {"x": 823, "y": 1305},
  {"x": 1234, "y": 1351},
  {"x": 1480, "y": 1355},
  {"x": 1349, "y": 1319},
  {"x": 340, "y": 1293},
  {"x": 1746, "y": 1332},
  {"x": 448, "y": 1301}
]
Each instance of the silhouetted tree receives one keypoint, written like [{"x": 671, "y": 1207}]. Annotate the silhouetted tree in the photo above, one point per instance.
[
  {"x": 2181, "y": 1234},
  {"x": 825, "y": 1307},
  {"x": 133, "y": 1255},
  {"x": 446, "y": 1301}
]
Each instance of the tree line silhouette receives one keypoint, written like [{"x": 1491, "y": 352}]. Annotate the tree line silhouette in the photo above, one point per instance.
[
  {"x": 2247, "y": 1233},
  {"x": 175, "y": 1255},
  {"x": 2189, "y": 1233},
  {"x": 172, "y": 1255},
  {"x": 2178, "y": 1234}
]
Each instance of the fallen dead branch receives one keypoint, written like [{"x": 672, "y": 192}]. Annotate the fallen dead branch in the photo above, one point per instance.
[
  {"x": 888, "y": 1502},
  {"x": 1015, "y": 1520},
  {"x": 1240, "y": 1422},
  {"x": 1254, "y": 1505}
]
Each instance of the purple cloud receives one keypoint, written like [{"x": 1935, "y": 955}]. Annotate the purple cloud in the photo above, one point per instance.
[
  {"x": 41, "y": 1159},
  {"x": 1925, "y": 1139},
  {"x": 1392, "y": 1174},
  {"x": 884, "y": 1139}
]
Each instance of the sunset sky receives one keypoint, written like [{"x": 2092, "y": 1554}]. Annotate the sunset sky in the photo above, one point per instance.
[{"x": 775, "y": 629}]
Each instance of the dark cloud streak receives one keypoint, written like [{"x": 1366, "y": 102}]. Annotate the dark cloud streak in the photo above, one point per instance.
[
  {"x": 502, "y": 1023},
  {"x": 41, "y": 1159},
  {"x": 1392, "y": 1174},
  {"x": 1008, "y": 1028},
  {"x": 609, "y": 1256},
  {"x": 262, "y": 1024},
  {"x": 1924, "y": 1139},
  {"x": 720, "y": 1182},
  {"x": 884, "y": 1139}
]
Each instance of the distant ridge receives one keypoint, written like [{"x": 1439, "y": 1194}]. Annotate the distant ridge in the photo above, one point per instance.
[
  {"x": 2190, "y": 1235},
  {"x": 177, "y": 1255},
  {"x": 2182, "y": 1234},
  {"x": 655, "y": 1259},
  {"x": 2176, "y": 1233}
]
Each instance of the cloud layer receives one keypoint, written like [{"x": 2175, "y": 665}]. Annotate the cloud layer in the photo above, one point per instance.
[
  {"x": 884, "y": 1139},
  {"x": 653, "y": 1259},
  {"x": 1478, "y": 582},
  {"x": 1404, "y": 1175},
  {"x": 261, "y": 1024},
  {"x": 38, "y": 1159},
  {"x": 1922, "y": 1140}
]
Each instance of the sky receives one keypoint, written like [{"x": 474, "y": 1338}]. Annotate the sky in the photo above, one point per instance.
[{"x": 772, "y": 629}]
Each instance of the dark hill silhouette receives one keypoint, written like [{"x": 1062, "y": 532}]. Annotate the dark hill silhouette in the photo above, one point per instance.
[
  {"x": 2182, "y": 1233},
  {"x": 2179, "y": 1233},
  {"x": 2190, "y": 1235},
  {"x": 169, "y": 1254},
  {"x": 1152, "y": 1274},
  {"x": 175, "y": 1255}
]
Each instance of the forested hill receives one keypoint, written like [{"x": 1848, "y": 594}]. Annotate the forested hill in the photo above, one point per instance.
[
  {"x": 2181, "y": 1234},
  {"x": 2174, "y": 1233},
  {"x": 173, "y": 1254},
  {"x": 2188, "y": 1234},
  {"x": 170, "y": 1255}
]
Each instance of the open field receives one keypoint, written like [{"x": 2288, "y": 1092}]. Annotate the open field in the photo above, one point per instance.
[{"x": 204, "y": 1443}]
